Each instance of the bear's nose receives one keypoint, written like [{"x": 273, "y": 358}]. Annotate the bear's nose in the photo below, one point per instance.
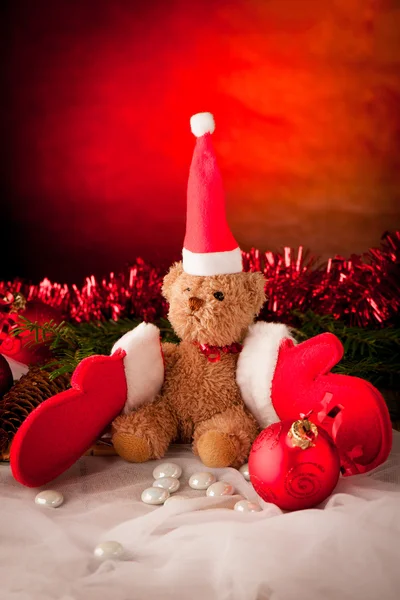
[{"x": 195, "y": 303}]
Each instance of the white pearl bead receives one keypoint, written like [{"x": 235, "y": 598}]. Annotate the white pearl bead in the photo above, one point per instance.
[
  {"x": 167, "y": 483},
  {"x": 167, "y": 470},
  {"x": 201, "y": 481},
  {"x": 220, "y": 488},
  {"x": 247, "y": 506},
  {"x": 172, "y": 499},
  {"x": 49, "y": 498},
  {"x": 109, "y": 549},
  {"x": 155, "y": 495},
  {"x": 244, "y": 470}
]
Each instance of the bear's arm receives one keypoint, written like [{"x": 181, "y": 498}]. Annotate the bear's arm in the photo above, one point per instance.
[{"x": 170, "y": 352}]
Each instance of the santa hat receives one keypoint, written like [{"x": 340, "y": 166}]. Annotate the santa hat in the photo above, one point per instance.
[{"x": 209, "y": 246}]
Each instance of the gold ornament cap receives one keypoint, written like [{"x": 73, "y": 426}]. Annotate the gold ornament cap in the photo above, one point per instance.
[
  {"x": 303, "y": 433},
  {"x": 13, "y": 302},
  {"x": 19, "y": 302}
]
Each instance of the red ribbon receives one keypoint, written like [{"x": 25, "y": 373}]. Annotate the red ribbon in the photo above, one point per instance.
[
  {"x": 332, "y": 425},
  {"x": 213, "y": 353}
]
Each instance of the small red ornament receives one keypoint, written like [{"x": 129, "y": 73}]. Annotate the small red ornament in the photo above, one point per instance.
[
  {"x": 21, "y": 347},
  {"x": 294, "y": 465},
  {"x": 6, "y": 378}
]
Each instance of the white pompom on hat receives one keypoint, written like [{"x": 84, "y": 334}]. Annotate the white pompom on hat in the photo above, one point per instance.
[{"x": 202, "y": 123}]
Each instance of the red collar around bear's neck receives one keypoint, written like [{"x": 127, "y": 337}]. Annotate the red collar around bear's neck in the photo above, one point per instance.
[{"x": 213, "y": 353}]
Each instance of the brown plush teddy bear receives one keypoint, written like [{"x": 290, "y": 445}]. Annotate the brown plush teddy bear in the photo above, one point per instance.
[
  {"x": 200, "y": 399},
  {"x": 196, "y": 393},
  {"x": 212, "y": 303}
]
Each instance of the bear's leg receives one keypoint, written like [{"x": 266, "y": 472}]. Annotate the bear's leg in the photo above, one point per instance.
[
  {"x": 145, "y": 433},
  {"x": 225, "y": 439}
]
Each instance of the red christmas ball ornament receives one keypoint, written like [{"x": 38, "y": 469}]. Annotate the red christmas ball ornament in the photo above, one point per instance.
[
  {"x": 294, "y": 465},
  {"x": 22, "y": 347},
  {"x": 6, "y": 377}
]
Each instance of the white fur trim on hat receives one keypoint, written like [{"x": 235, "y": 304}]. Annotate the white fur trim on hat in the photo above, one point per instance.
[
  {"x": 256, "y": 368},
  {"x": 202, "y": 123},
  {"x": 143, "y": 364},
  {"x": 212, "y": 263}
]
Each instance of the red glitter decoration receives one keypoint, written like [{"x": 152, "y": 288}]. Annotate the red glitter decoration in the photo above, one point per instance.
[
  {"x": 135, "y": 292},
  {"x": 363, "y": 290}
]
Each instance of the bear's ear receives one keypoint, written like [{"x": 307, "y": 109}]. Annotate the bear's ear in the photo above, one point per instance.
[
  {"x": 255, "y": 284},
  {"x": 170, "y": 279}
]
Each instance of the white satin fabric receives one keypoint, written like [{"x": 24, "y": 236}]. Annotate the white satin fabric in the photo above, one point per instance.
[
  {"x": 199, "y": 548},
  {"x": 18, "y": 369}
]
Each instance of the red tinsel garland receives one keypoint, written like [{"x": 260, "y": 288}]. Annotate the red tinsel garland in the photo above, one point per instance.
[{"x": 363, "y": 290}]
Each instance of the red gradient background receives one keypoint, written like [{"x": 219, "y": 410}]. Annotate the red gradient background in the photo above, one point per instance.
[{"x": 306, "y": 97}]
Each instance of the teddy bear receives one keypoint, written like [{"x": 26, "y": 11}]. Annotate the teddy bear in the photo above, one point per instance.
[
  {"x": 200, "y": 400},
  {"x": 229, "y": 376},
  {"x": 212, "y": 304}
]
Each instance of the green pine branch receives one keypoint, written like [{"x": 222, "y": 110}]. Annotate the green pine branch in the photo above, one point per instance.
[
  {"x": 371, "y": 354},
  {"x": 70, "y": 343},
  {"x": 357, "y": 341}
]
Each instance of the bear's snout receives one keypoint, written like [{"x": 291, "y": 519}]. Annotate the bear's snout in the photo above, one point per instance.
[{"x": 195, "y": 303}]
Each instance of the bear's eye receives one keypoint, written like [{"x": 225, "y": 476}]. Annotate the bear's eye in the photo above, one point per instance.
[
  {"x": 187, "y": 290},
  {"x": 219, "y": 296}
]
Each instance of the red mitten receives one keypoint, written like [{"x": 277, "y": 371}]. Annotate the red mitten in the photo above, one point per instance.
[
  {"x": 62, "y": 428},
  {"x": 348, "y": 408}
]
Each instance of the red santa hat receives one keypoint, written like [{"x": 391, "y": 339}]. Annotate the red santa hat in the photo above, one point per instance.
[{"x": 209, "y": 247}]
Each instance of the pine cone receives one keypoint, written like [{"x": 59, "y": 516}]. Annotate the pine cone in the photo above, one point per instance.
[{"x": 25, "y": 395}]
